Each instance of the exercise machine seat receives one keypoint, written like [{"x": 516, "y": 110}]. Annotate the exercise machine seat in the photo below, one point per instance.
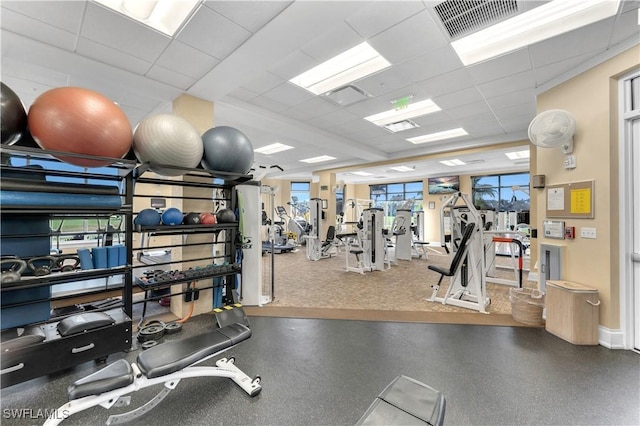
[
  {"x": 406, "y": 401},
  {"x": 173, "y": 356},
  {"x": 114, "y": 376},
  {"x": 462, "y": 251}
]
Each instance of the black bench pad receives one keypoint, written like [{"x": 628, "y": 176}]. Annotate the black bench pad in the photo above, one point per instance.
[
  {"x": 114, "y": 376},
  {"x": 173, "y": 356}
]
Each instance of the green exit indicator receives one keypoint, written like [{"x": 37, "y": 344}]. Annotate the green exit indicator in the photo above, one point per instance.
[{"x": 401, "y": 103}]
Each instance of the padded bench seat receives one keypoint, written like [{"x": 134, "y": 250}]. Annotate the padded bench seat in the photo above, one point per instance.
[
  {"x": 173, "y": 356},
  {"x": 160, "y": 360}
]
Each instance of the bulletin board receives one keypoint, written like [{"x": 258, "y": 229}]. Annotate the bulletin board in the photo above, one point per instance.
[{"x": 571, "y": 200}]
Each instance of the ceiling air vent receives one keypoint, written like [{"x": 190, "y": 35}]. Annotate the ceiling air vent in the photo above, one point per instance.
[
  {"x": 478, "y": 161},
  {"x": 346, "y": 95},
  {"x": 461, "y": 17}
]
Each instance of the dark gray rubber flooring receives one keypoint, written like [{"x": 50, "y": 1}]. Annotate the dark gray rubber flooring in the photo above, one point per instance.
[{"x": 327, "y": 372}]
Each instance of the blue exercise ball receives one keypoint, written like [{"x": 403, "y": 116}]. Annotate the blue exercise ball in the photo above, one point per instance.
[
  {"x": 227, "y": 149},
  {"x": 147, "y": 217},
  {"x": 172, "y": 216}
]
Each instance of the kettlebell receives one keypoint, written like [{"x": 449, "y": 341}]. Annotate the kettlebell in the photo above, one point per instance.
[
  {"x": 41, "y": 270},
  {"x": 15, "y": 272},
  {"x": 68, "y": 267}
]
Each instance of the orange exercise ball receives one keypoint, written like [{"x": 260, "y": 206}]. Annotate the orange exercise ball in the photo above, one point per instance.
[{"x": 73, "y": 119}]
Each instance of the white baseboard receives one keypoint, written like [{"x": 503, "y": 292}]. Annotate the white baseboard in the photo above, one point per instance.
[{"x": 612, "y": 339}]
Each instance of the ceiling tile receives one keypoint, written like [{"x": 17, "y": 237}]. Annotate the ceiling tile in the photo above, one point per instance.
[
  {"x": 118, "y": 32},
  {"x": 512, "y": 83},
  {"x": 251, "y": 15},
  {"x": 242, "y": 94},
  {"x": 546, "y": 73},
  {"x": 288, "y": 94},
  {"x": 265, "y": 82},
  {"x": 377, "y": 16},
  {"x": 446, "y": 83},
  {"x": 332, "y": 42},
  {"x": 502, "y": 66},
  {"x": 292, "y": 65},
  {"x": 423, "y": 67},
  {"x": 627, "y": 25},
  {"x": 382, "y": 82},
  {"x": 317, "y": 107},
  {"x": 32, "y": 76},
  {"x": 170, "y": 77},
  {"x": 457, "y": 98},
  {"x": 186, "y": 60},
  {"x": 512, "y": 99},
  {"x": 212, "y": 33},
  {"x": 573, "y": 43},
  {"x": 468, "y": 110},
  {"x": 111, "y": 91},
  {"x": 113, "y": 57},
  {"x": 413, "y": 37},
  {"x": 28, "y": 27},
  {"x": 139, "y": 101},
  {"x": 268, "y": 104},
  {"x": 335, "y": 118},
  {"x": 65, "y": 15}
]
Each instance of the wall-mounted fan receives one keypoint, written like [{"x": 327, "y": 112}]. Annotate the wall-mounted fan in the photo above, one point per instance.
[{"x": 552, "y": 128}]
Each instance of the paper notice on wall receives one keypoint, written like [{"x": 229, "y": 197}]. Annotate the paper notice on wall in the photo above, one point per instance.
[
  {"x": 555, "y": 199},
  {"x": 581, "y": 201}
]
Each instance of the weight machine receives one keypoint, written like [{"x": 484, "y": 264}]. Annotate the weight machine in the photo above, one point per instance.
[
  {"x": 467, "y": 286},
  {"x": 370, "y": 251},
  {"x": 316, "y": 248},
  {"x": 401, "y": 229}
]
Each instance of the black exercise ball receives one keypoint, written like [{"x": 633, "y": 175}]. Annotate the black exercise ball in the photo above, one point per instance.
[
  {"x": 227, "y": 149},
  {"x": 14, "y": 116},
  {"x": 225, "y": 216},
  {"x": 191, "y": 219}
]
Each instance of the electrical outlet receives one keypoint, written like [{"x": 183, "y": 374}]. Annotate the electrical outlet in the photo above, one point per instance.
[{"x": 588, "y": 232}]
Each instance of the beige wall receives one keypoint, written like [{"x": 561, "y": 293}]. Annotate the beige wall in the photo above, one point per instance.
[{"x": 592, "y": 99}]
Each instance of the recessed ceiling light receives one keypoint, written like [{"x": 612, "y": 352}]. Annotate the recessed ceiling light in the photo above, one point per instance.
[
  {"x": 413, "y": 110},
  {"x": 402, "y": 169},
  {"x": 360, "y": 173},
  {"x": 447, "y": 134},
  {"x": 543, "y": 22},
  {"x": 401, "y": 126},
  {"x": 166, "y": 16},
  {"x": 273, "y": 148},
  {"x": 348, "y": 66},
  {"x": 318, "y": 159},
  {"x": 516, "y": 155},
  {"x": 454, "y": 162}
]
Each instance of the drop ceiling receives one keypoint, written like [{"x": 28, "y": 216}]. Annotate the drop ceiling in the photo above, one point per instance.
[{"x": 241, "y": 54}]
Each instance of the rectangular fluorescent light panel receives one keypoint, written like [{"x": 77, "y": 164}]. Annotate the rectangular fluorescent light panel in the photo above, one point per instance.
[
  {"x": 454, "y": 162},
  {"x": 166, "y": 16},
  {"x": 517, "y": 154},
  {"x": 359, "y": 173},
  {"x": 447, "y": 134},
  {"x": 348, "y": 66},
  {"x": 319, "y": 159},
  {"x": 413, "y": 110},
  {"x": 541, "y": 23},
  {"x": 401, "y": 126},
  {"x": 273, "y": 148},
  {"x": 402, "y": 169}
]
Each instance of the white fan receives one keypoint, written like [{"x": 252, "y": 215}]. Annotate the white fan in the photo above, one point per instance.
[{"x": 551, "y": 128}]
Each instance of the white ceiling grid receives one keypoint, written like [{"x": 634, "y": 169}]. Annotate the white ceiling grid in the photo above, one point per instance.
[{"x": 241, "y": 54}]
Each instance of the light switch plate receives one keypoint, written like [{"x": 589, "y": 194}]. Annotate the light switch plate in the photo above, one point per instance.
[{"x": 588, "y": 232}]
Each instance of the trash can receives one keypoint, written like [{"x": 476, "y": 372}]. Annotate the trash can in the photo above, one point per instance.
[
  {"x": 573, "y": 312},
  {"x": 527, "y": 305}
]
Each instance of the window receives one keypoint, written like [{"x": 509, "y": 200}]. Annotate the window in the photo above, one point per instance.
[
  {"x": 508, "y": 192},
  {"x": 300, "y": 194},
  {"x": 391, "y": 196}
]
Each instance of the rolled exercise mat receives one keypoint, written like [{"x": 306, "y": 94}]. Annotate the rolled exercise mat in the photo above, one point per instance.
[
  {"x": 46, "y": 199},
  {"x": 28, "y": 185}
]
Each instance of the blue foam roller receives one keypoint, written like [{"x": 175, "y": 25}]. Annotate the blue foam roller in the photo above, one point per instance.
[
  {"x": 112, "y": 256},
  {"x": 86, "y": 262},
  {"x": 99, "y": 255},
  {"x": 51, "y": 199}
]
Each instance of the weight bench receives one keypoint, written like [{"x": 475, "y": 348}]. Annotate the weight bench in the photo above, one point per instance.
[{"x": 166, "y": 363}]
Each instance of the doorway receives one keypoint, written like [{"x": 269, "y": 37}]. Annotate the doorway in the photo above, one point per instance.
[{"x": 629, "y": 208}]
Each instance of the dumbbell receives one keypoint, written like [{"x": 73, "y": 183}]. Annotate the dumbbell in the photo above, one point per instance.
[{"x": 15, "y": 272}]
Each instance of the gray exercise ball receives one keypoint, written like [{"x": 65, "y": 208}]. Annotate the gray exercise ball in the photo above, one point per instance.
[{"x": 227, "y": 149}]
